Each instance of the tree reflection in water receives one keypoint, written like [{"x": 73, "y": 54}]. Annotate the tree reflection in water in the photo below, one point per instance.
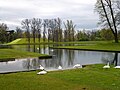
[
  {"x": 28, "y": 47},
  {"x": 112, "y": 58},
  {"x": 70, "y": 57},
  {"x": 31, "y": 63},
  {"x": 58, "y": 59},
  {"x": 34, "y": 48},
  {"x": 26, "y": 64},
  {"x": 67, "y": 58},
  {"x": 107, "y": 57},
  {"x": 116, "y": 59}
]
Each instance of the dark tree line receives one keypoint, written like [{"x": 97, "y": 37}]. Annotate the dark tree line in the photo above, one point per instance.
[
  {"x": 3, "y": 33},
  {"x": 95, "y": 35},
  {"x": 7, "y": 35}
]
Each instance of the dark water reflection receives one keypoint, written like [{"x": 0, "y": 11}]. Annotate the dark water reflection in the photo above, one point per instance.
[{"x": 66, "y": 58}]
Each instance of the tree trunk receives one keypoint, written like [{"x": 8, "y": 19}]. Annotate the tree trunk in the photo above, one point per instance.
[
  {"x": 114, "y": 31},
  {"x": 116, "y": 38}
]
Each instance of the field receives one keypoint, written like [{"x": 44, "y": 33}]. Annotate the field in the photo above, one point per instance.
[{"x": 92, "y": 77}]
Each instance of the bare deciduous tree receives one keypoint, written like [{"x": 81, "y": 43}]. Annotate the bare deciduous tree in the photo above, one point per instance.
[
  {"x": 26, "y": 25},
  {"x": 69, "y": 30},
  {"x": 45, "y": 26},
  {"x": 109, "y": 13}
]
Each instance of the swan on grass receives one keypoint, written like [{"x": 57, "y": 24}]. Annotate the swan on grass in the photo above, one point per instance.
[
  {"x": 107, "y": 66},
  {"x": 77, "y": 66},
  {"x": 41, "y": 67},
  {"x": 117, "y": 67},
  {"x": 42, "y": 72},
  {"x": 60, "y": 68},
  {"x": 37, "y": 48},
  {"x": 51, "y": 50}
]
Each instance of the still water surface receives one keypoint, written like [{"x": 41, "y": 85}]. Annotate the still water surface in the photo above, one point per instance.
[{"x": 66, "y": 58}]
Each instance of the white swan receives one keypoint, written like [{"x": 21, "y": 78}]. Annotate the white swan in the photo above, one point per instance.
[
  {"x": 52, "y": 50},
  {"x": 117, "y": 67},
  {"x": 107, "y": 66},
  {"x": 41, "y": 67},
  {"x": 41, "y": 72},
  {"x": 77, "y": 66},
  {"x": 60, "y": 67},
  {"x": 37, "y": 48}
]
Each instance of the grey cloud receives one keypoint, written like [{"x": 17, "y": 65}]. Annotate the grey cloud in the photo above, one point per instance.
[{"x": 82, "y": 14}]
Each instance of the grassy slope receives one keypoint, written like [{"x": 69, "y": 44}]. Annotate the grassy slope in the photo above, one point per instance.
[
  {"x": 16, "y": 41},
  {"x": 12, "y": 53},
  {"x": 24, "y": 41},
  {"x": 89, "y": 78}
]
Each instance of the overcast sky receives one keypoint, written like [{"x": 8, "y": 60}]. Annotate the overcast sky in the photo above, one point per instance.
[{"x": 12, "y": 12}]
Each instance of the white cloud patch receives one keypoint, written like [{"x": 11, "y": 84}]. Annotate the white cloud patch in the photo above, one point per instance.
[{"x": 80, "y": 11}]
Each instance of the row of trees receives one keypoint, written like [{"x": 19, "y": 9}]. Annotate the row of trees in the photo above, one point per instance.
[
  {"x": 48, "y": 29},
  {"x": 37, "y": 29}
]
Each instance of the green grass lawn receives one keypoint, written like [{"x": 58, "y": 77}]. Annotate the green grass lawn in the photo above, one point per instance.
[
  {"x": 91, "y": 45},
  {"x": 24, "y": 41},
  {"x": 12, "y": 53},
  {"x": 92, "y": 77},
  {"x": 96, "y": 45}
]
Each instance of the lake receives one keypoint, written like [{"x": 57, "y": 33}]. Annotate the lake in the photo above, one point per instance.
[{"x": 63, "y": 57}]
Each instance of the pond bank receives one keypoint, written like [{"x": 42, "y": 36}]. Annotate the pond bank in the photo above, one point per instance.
[
  {"x": 105, "y": 47},
  {"x": 85, "y": 49}
]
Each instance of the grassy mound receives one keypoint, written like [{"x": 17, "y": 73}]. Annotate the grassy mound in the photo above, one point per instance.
[
  {"x": 24, "y": 41},
  {"x": 16, "y": 41}
]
